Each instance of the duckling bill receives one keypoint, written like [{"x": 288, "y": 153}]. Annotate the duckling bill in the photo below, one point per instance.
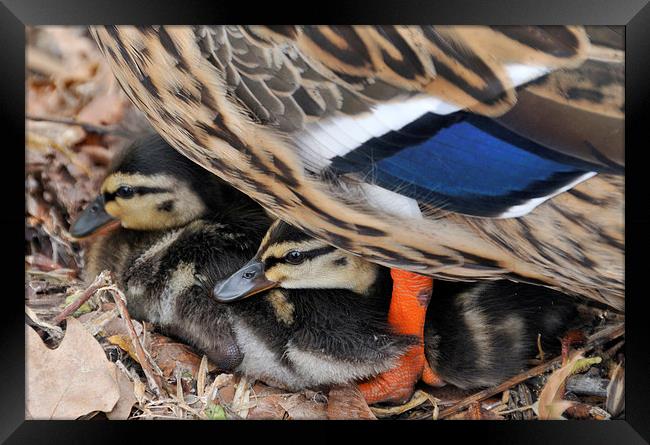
[
  {"x": 92, "y": 219},
  {"x": 247, "y": 281}
]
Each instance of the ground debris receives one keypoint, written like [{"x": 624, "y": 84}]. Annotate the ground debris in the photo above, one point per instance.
[{"x": 82, "y": 381}]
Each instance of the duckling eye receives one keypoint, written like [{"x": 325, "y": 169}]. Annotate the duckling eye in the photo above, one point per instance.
[
  {"x": 125, "y": 192},
  {"x": 294, "y": 257}
]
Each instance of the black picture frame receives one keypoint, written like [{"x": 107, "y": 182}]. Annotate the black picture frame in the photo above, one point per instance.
[{"x": 633, "y": 14}]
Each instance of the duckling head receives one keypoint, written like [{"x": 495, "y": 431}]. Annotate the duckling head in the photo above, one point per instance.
[
  {"x": 150, "y": 186},
  {"x": 290, "y": 259}
]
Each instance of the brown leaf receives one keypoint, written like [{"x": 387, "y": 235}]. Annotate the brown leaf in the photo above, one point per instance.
[
  {"x": 347, "y": 402},
  {"x": 124, "y": 342},
  {"x": 96, "y": 321},
  {"x": 615, "y": 403},
  {"x": 266, "y": 403},
  {"x": 269, "y": 403},
  {"x": 299, "y": 407},
  {"x": 475, "y": 412},
  {"x": 70, "y": 381},
  {"x": 117, "y": 326},
  {"x": 122, "y": 408},
  {"x": 551, "y": 403},
  {"x": 170, "y": 354},
  {"x": 579, "y": 411},
  {"x": 572, "y": 337},
  {"x": 225, "y": 386},
  {"x": 104, "y": 109}
]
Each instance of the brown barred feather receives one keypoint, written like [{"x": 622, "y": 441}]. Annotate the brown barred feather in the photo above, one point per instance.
[
  {"x": 230, "y": 97},
  {"x": 567, "y": 106}
]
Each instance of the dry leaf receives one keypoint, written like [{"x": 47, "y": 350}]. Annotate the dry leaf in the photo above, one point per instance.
[
  {"x": 266, "y": 405},
  {"x": 117, "y": 326},
  {"x": 122, "y": 408},
  {"x": 104, "y": 110},
  {"x": 223, "y": 387},
  {"x": 125, "y": 343},
  {"x": 347, "y": 402},
  {"x": 476, "y": 412},
  {"x": 95, "y": 321},
  {"x": 550, "y": 403},
  {"x": 267, "y": 408},
  {"x": 169, "y": 353},
  {"x": 70, "y": 381},
  {"x": 241, "y": 399},
  {"x": 270, "y": 403},
  {"x": 299, "y": 407},
  {"x": 615, "y": 403}
]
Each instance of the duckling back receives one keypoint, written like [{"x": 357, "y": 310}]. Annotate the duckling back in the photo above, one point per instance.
[{"x": 480, "y": 334}]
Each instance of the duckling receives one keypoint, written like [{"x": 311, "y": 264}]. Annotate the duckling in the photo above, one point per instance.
[
  {"x": 315, "y": 338},
  {"x": 476, "y": 334},
  {"x": 480, "y": 334},
  {"x": 172, "y": 220}
]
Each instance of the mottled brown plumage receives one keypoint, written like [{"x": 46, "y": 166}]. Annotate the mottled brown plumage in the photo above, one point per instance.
[{"x": 242, "y": 101}]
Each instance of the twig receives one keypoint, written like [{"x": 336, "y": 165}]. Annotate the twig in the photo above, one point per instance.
[
  {"x": 179, "y": 389},
  {"x": 153, "y": 380},
  {"x": 54, "y": 331},
  {"x": 202, "y": 374},
  {"x": 607, "y": 334},
  {"x": 66, "y": 121},
  {"x": 105, "y": 282},
  {"x": 514, "y": 410},
  {"x": 539, "y": 347},
  {"x": 101, "y": 281},
  {"x": 416, "y": 400},
  {"x": 35, "y": 141},
  {"x": 613, "y": 350}
]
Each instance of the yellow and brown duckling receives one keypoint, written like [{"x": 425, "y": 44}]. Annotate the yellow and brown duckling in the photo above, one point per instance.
[
  {"x": 311, "y": 331},
  {"x": 174, "y": 221},
  {"x": 475, "y": 334}
]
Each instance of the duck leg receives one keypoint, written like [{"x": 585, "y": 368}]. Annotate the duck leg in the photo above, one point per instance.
[{"x": 408, "y": 307}]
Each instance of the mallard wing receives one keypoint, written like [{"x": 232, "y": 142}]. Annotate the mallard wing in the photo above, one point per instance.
[
  {"x": 387, "y": 140},
  {"x": 378, "y": 108}
]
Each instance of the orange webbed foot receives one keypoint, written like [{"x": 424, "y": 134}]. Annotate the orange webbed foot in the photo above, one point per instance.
[{"x": 408, "y": 307}]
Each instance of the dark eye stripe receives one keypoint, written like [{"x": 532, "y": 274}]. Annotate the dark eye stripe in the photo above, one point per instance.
[
  {"x": 309, "y": 254},
  {"x": 142, "y": 190},
  {"x": 318, "y": 252}
]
